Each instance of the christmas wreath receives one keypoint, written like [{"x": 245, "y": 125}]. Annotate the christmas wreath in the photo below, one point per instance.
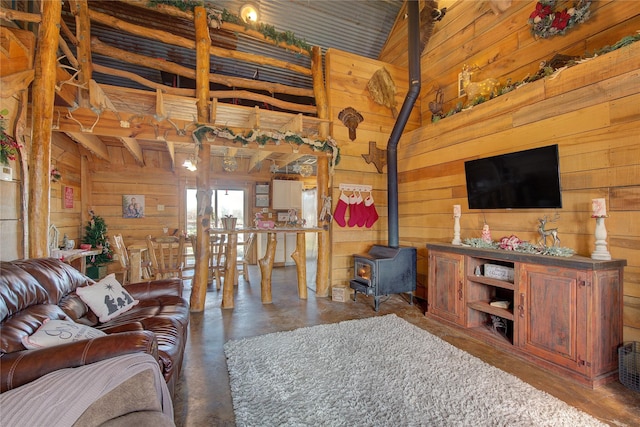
[{"x": 546, "y": 22}]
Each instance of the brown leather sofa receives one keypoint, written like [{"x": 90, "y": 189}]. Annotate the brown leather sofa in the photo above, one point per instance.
[{"x": 37, "y": 289}]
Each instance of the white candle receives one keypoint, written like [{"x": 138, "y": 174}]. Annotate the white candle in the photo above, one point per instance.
[
  {"x": 457, "y": 212},
  {"x": 599, "y": 207}
]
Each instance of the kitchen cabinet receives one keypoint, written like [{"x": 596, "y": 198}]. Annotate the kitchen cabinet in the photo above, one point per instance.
[
  {"x": 561, "y": 313},
  {"x": 287, "y": 194},
  {"x": 446, "y": 296}
]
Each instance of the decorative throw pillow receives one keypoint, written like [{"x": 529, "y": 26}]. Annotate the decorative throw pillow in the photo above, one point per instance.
[
  {"x": 107, "y": 298},
  {"x": 54, "y": 332}
]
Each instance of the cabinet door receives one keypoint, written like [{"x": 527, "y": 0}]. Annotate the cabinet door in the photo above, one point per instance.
[
  {"x": 287, "y": 194},
  {"x": 552, "y": 304},
  {"x": 445, "y": 287},
  {"x": 280, "y": 199},
  {"x": 296, "y": 195}
]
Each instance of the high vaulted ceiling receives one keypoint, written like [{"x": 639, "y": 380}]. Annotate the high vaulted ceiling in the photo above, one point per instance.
[{"x": 140, "y": 50}]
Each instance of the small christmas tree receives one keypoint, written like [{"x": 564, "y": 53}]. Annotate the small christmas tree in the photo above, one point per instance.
[{"x": 95, "y": 234}]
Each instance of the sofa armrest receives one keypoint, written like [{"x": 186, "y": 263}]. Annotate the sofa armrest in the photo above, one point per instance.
[
  {"x": 155, "y": 288},
  {"x": 21, "y": 367}
]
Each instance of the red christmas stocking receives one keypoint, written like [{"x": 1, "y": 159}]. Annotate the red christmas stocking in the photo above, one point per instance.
[
  {"x": 355, "y": 210},
  {"x": 362, "y": 210},
  {"x": 371, "y": 212},
  {"x": 341, "y": 209}
]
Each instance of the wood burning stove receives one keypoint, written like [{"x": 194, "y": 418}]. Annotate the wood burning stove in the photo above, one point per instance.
[{"x": 383, "y": 271}]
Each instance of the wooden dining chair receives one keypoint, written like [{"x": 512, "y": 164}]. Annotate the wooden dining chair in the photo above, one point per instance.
[
  {"x": 167, "y": 256},
  {"x": 117, "y": 244},
  {"x": 216, "y": 263},
  {"x": 217, "y": 259},
  {"x": 243, "y": 261}
]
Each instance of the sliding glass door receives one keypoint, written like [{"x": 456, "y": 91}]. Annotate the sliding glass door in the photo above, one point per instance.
[{"x": 224, "y": 203}]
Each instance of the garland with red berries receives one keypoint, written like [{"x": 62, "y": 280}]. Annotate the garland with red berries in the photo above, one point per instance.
[{"x": 546, "y": 22}]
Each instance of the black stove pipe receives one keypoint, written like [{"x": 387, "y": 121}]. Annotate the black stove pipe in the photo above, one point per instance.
[{"x": 403, "y": 116}]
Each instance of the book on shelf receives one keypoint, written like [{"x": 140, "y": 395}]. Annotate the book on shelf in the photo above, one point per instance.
[{"x": 500, "y": 304}]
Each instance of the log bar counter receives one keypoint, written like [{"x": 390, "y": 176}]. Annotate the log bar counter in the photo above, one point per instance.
[{"x": 266, "y": 263}]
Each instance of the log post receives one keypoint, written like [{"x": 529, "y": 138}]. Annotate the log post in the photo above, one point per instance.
[
  {"x": 266, "y": 267},
  {"x": 80, "y": 9},
  {"x": 203, "y": 249},
  {"x": 231, "y": 269},
  {"x": 40, "y": 154},
  {"x": 300, "y": 258},
  {"x": 323, "y": 271}
]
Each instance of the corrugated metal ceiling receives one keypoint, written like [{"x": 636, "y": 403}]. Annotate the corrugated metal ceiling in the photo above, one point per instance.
[{"x": 357, "y": 26}]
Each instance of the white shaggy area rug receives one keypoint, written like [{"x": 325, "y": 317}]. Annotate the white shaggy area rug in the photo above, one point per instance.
[{"x": 380, "y": 371}]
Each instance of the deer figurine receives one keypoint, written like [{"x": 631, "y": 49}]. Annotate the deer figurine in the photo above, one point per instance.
[
  {"x": 553, "y": 232},
  {"x": 486, "y": 88}
]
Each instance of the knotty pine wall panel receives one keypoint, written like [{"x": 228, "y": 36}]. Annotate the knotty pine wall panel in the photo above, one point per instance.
[
  {"x": 65, "y": 157},
  {"x": 347, "y": 76},
  {"x": 592, "y": 111}
]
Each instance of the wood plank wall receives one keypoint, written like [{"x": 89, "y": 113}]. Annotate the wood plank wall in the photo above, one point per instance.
[
  {"x": 109, "y": 181},
  {"x": 592, "y": 111},
  {"x": 347, "y": 76},
  {"x": 11, "y": 221}
]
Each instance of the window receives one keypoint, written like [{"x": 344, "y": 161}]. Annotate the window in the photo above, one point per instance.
[{"x": 225, "y": 202}]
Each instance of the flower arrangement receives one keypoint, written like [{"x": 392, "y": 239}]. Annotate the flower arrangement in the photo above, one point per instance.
[
  {"x": 513, "y": 243},
  {"x": 546, "y": 22},
  {"x": 8, "y": 145},
  {"x": 55, "y": 175}
]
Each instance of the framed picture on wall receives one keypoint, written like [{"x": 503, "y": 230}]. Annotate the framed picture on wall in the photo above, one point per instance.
[
  {"x": 262, "y": 200},
  {"x": 133, "y": 206},
  {"x": 262, "y": 188}
]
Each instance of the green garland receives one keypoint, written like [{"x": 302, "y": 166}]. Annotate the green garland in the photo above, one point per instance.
[
  {"x": 524, "y": 247},
  {"x": 268, "y": 31},
  {"x": 263, "y": 138},
  {"x": 544, "y": 72}
]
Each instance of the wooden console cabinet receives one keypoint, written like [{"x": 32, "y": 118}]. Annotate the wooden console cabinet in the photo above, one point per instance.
[{"x": 562, "y": 313}]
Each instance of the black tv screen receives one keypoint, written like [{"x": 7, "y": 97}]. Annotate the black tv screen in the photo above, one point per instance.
[{"x": 520, "y": 180}]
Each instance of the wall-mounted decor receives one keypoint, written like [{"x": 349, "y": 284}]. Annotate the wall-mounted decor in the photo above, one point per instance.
[
  {"x": 383, "y": 90},
  {"x": 7, "y": 173},
  {"x": 262, "y": 188},
  {"x": 546, "y": 22},
  {"x": 68, "y": 197},
  {"x": 262, "y": 200},
  {"x": 351, "y": 119},
  {"x": 376, "y": 156},
  {"x": 133, "y": 206}
]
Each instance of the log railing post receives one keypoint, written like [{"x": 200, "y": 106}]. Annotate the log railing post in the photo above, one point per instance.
[
  {"x": 323, "y": 271},
  {"x": 40, "y": 153},
  {"x": 201, "y": 273},
  {"x": 300, "y": 258}
]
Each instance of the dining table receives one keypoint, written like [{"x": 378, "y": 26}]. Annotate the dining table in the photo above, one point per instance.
[
  {"x": 76, "y": 257},
  {"x": 136, "y": 251},
  {"x": 299, "y": 256}
]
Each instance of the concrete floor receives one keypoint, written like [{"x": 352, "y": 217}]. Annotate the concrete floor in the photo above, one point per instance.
[{"x": 203, "y": 397}]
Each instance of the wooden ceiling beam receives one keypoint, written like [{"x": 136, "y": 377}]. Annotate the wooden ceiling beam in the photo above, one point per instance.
[
  {"x": 13, "y": 83},
  {"x": 170, "y": 67},
  {"x": 16, "y": 15},
  {"x": 290, "y": 158},
  {"x": 172, "y": 39},
  {"x": 257, "y": 158},
  {"x": 91, "y": 143},
  {"x": 227, "y": 26},
  {"x": 80, "y": 10},
  {"x": 134, "y": 148},
  {"x": 142, "y": 128}
]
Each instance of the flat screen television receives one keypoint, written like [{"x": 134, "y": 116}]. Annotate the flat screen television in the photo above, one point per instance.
[{"x": 520, "y": 180}]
